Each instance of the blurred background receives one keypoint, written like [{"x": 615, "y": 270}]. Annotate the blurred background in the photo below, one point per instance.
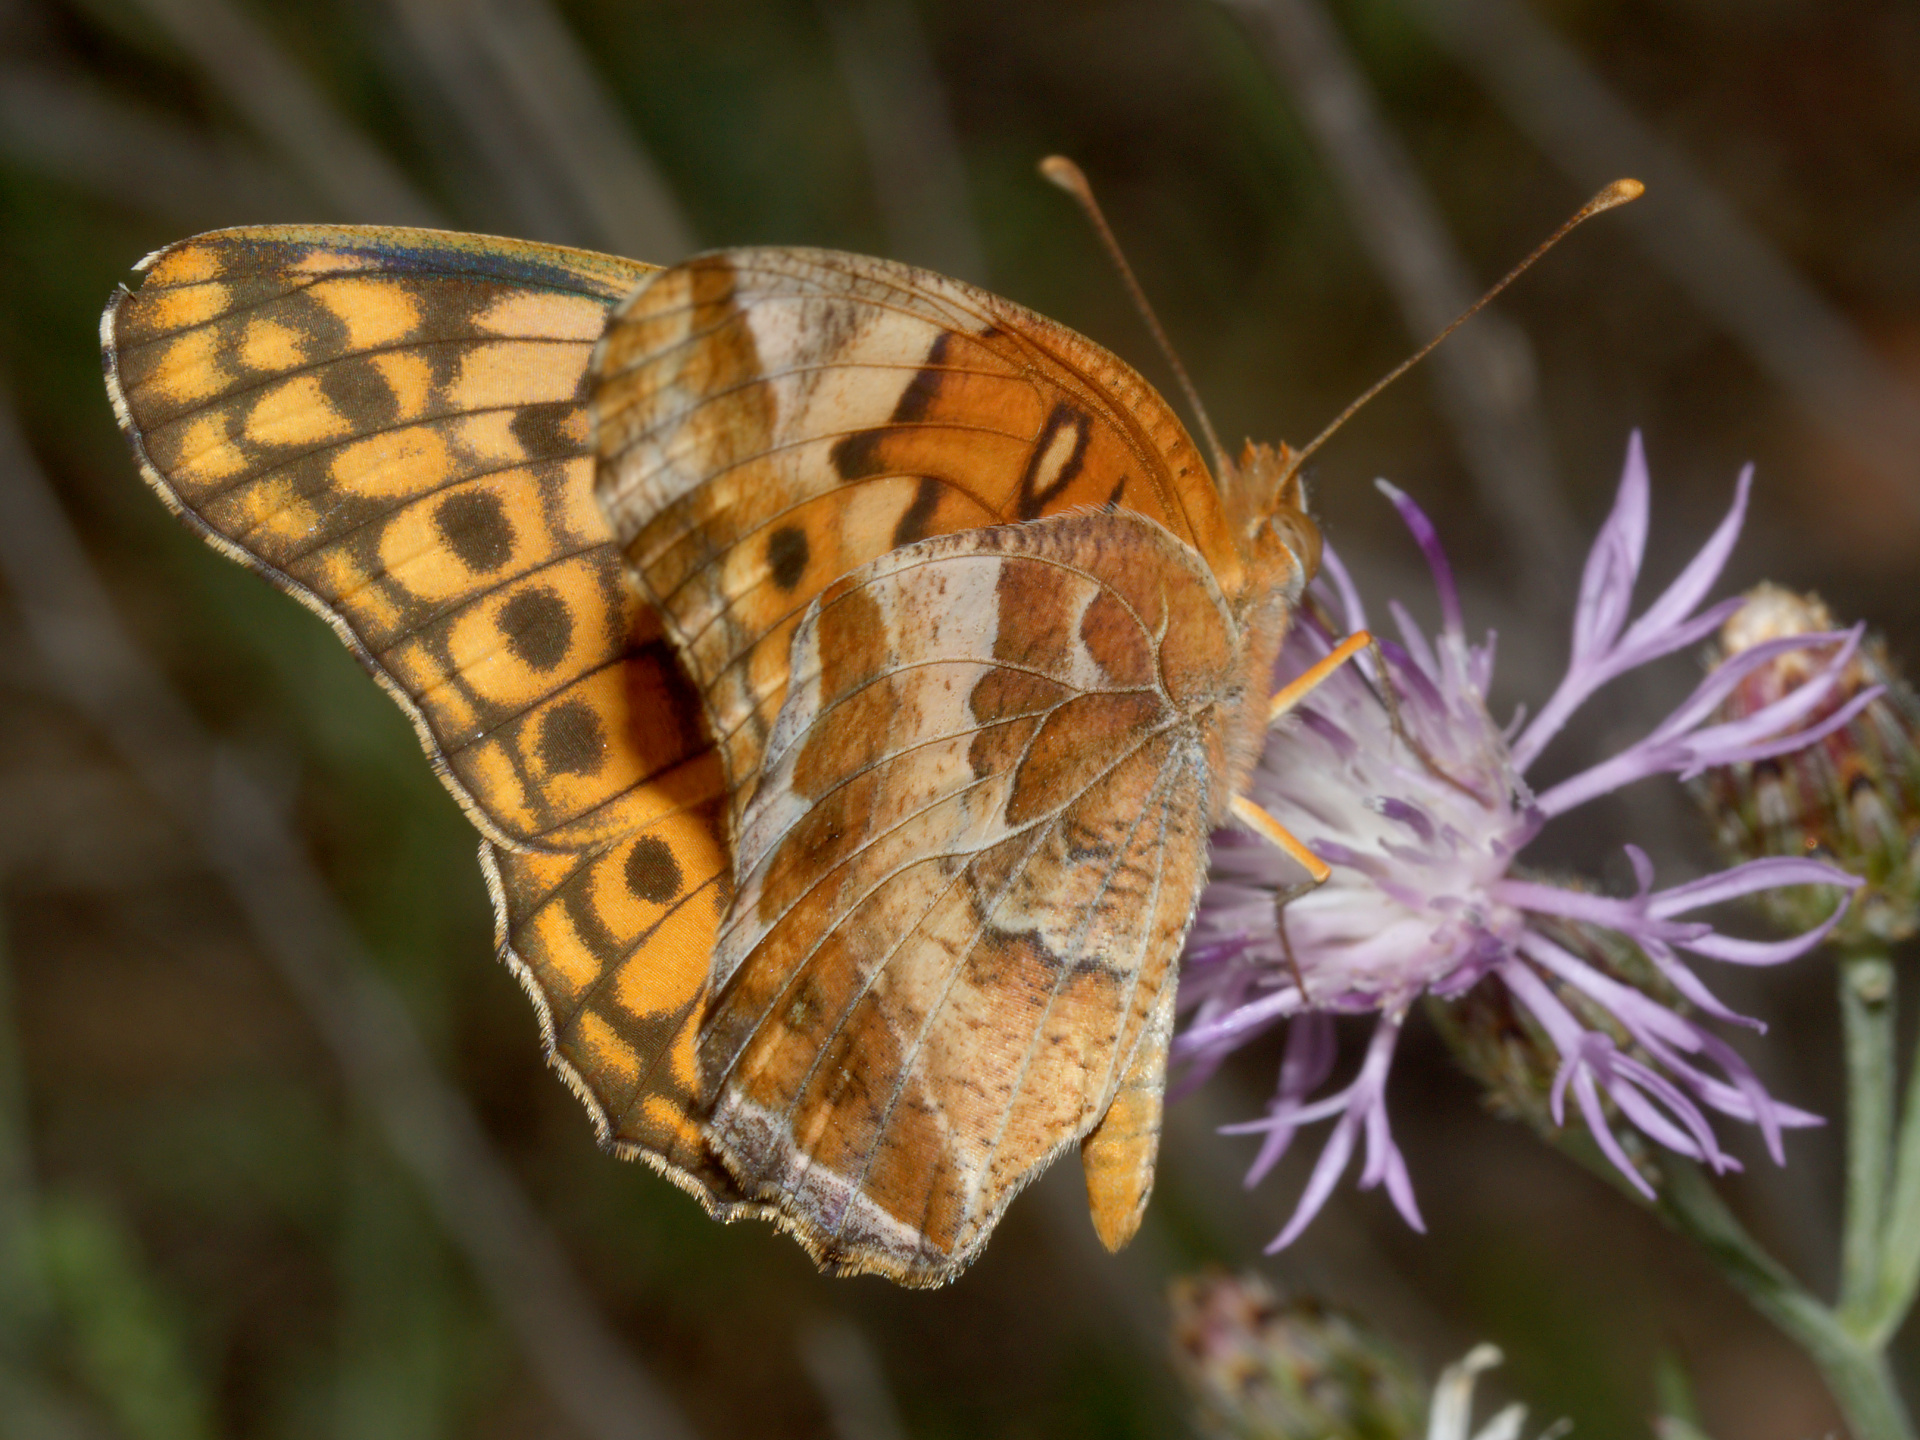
[{"x": 278, "y": 1153}]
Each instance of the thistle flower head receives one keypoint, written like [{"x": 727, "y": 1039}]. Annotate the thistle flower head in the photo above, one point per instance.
[
  {"x": 1427, "y": 896},
  {"x": 1853, "y": 796}
]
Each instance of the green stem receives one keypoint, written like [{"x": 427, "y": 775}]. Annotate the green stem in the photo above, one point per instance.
[
  {"x": 1866, "y": 1010},
  {"x": 1856, "y": 1372},
  {"x": 1900, "y": 1247}
]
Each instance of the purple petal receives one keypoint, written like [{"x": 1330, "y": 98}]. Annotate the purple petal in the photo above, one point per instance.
[
  {"x": 1310, "y": 1053},
  {"x": 1606, "y": 587},
  {"x": 1400, "y": 1191},
  {"x": 1763, "y": 953},
  {"x": 1710, "y": 750},
  {"x": 1746, "y": 879},
  {"x": 1603, "y": 1135},
  {"x": 1724, "y": 677},
  {"x": 1360, "y": 1103},
  {"x": 1283, "y": 1115},
  {"x": 1428, "y": 539},
  {"x": 1665, "y": 750},
  {"x": 1694, "y": 989},
  {"x": 1599, "y": 653},
  {"x": 1311, "y": 1049},
  {"x": 1326, "y": 1174},
  {"x": 1352, "y": 611},
  {"x": 1240, "y": 1024},
  {"x": 1642, "y": 868},
  {"x": 1416, "y": 641},
  {"x": 1691, "y": 585},
  {"x": 1679, "y": 637},
  {"x": 1748, "y": 1084},
  {"x": 1660, "y": 1030}
]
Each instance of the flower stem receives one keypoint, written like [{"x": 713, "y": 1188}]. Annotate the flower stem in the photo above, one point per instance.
[
  {"x": 1866, "y": 1011},
  {"x": 1900, "y": 1243},
  {"x": 1855, "y": 1370}
]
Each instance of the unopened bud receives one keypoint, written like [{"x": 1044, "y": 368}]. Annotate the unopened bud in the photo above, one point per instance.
[
  {"x": 1263, "y": 1367},
  {"x": 1853, "y": 796}
]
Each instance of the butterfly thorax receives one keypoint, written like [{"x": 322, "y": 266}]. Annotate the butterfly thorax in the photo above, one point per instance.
[{"x": 1283, "y": 546}]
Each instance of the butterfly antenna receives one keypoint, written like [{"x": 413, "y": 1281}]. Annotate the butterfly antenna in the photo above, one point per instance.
[
  {"x": 1072, "y": 179},
  {"x": 1618, "y": 193}
]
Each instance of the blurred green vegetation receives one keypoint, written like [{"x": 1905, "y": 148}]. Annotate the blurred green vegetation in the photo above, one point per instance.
[{"x": 201, "y": 1234}]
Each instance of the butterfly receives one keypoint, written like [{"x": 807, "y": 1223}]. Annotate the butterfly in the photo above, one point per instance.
[{"x": 844, "y": 667}]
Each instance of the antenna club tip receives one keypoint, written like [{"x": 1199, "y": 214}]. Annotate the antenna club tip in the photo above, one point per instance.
[
  {"x": 1619, "y": 193},
  {"x": 1064, "y": 173}
]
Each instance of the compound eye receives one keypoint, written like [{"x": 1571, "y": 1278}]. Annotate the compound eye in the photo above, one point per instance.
[{"x": 1302, "y": 539}]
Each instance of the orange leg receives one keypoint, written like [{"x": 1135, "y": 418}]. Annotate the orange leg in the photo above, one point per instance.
[
  {"x": 1310, "y": 680},
  {"x": 1270, "y": 829},
  {"x": 1290, "y": 695}
]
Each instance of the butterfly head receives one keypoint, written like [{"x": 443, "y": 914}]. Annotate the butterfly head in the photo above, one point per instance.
[{"x": 1280, "y": 530}]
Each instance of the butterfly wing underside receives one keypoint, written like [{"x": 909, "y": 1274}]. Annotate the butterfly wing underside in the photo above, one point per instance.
[
  {"x": 769, "y": 420},
  {"x": 392, "y": 426},
  {"x": 964, "y": 879}
]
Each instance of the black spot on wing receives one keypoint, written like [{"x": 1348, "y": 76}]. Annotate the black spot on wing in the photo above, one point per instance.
[
  {"x": 652, "y": 872},
  {"x": 538, "y": 627},
  {"x": 572, "y": 741},
  {"x": 360, "y": 393},
  {"x": 542, "y": 429},
  {"x": 787, "y": 554},
  {"x": 476, "y": 528}
]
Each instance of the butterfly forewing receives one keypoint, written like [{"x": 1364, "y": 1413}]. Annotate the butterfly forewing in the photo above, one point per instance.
[
  {"x": 392, "y": 426},
  {"x": 964, "y": 879},
  {"x": 769, "y": 420}
]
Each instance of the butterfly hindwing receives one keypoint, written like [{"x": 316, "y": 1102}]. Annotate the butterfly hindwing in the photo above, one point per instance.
[
  {"x": 770, "y": 420},
  {"x": 613, "y": 944},
  {"x": 391, "y": 425},
  {"x": 964, "y": 880}
]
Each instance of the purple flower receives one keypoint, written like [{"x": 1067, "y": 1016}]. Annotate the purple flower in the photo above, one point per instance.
[{"x": 1425, "y": 899}]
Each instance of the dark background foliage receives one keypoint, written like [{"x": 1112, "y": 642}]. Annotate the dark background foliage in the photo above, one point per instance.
[{"x": 206, "y": 1229}]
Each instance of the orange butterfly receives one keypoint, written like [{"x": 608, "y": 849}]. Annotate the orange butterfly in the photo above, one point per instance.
[{"x": 844, "y": 666}]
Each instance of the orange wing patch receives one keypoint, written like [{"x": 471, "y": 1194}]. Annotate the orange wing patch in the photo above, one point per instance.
[
  {"x": 391, "y": 425},
  {"x": 965, "y": 878},
  {"x": 770, "y": 420}
]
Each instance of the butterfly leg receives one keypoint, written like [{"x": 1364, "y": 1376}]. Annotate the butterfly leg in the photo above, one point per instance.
[
  {"x": 1270, "y": 829},
  {"x": 1289, "y": 696}
]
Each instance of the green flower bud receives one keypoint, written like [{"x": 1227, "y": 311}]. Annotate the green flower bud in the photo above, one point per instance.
[{"x": 1853, "y": 796}]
